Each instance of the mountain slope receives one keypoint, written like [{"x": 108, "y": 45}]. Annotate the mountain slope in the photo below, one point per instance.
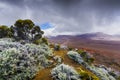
[
  {"x": 92, "y": 36},
  {"x": 105, "y": 51},
  {"x": 27, "y": 61}
]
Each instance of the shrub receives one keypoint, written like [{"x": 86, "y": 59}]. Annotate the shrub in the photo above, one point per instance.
[
  {"x": 22, "y": 62},
  {"x": 90, "y": 60},
  {"x": 70, "y": 48},
  {"x": 80, "y": 51},
  {"x": 75, "y": 56},
  {"x": 37, "y": 42},
  {"x": 83, "y": 54},
  {"x": 44, "y": 40},
  {"x": 87, "y": 57},
  {"x": 85, "y": 75},
  {"x": 5, "y": 31},
  {"x": 15, "y": 65},
  {"x": 51, "y": 45},
  {"x": 64, "y": 72},
  {"x": 100, "y": 72},
  {"x": 58, "y": 59},
  {"x": 56, "y": 47}
]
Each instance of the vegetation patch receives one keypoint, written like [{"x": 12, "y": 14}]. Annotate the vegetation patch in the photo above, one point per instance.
[
  {"x": 22, "y": 62},
  {"x": 102, "y": 73},
  {"x": 64, "y": 72}
]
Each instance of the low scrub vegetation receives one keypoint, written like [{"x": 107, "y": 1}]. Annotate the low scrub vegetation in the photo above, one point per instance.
[
  {"x": 5, "y": 32},
  {"x": 20, "y": 59},
  {"x": 75, "y": 56},
  {"x": 102, "y": 73},
  {"x": 57, "y": 47},
  {"x": 86, "y": 56},
  {"x": 64, "y": 72},
  {"x": 22, "y": 62}
]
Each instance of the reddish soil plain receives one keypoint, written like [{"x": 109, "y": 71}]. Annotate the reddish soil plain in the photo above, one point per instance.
[{"x": 104, "y": 52}]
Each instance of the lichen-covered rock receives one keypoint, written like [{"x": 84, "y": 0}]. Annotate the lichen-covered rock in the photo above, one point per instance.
[
  {"x": 64, "y": 72},
  {"x": 22, "y": 62}
]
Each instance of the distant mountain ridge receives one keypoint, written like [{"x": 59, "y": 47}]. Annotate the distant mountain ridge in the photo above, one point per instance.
[{"x": 92, "y": 36}]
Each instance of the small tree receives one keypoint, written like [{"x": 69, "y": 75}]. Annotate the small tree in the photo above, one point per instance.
[
  {"x": 26, "y": 30},
  {"x": 5, "y": 31}
]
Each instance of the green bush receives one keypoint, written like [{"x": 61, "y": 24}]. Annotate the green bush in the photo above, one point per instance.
[
  {"x": 86, "y": 56},
  {"x": 87, "y": 76},
  {"x": 70, "y": 48},
  {"x": 16, "y": 66},
  {"x": 91, "y": 60},
  {"x": 26, "y": 30},
  {"x": 80, "y": 51},
  {"x": 22, "y": 62},
  {"x": 56, "y": 47},
  {"x": 64, "y": 72},
  {"x": 44, "y": 40},
  {"x": 5, "y": 31},
  {"x": 37, "y": 42}
]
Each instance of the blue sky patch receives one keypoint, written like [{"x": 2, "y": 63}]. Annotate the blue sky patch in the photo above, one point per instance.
[{"x": 46, "y": 25}]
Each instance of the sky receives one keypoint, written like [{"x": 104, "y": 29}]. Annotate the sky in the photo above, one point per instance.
[{"x": 64, "y": 17}]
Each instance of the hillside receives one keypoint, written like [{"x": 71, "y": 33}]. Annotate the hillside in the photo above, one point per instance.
[
  {"x": 59, "y": 39},
  {"x": 26, "y": 55},
  {"x": 105, "y": 51},
  {"x": 90, "y": 36},
  {"x": 29, "y": 61}
]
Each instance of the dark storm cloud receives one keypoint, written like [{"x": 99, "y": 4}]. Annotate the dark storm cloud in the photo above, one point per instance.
[
  {"x": 66, "y": 3},
  {"x": 74, "y": 16},
  {"x": 14, "y": 2},
  {"x": 110, "y": 3}
]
